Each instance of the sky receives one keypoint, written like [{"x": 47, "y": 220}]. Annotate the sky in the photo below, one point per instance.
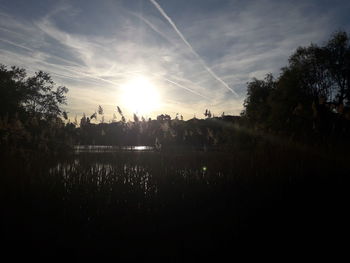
[{"x": 196, "y": 54}]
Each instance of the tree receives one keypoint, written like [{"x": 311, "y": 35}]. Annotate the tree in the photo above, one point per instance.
[
  {"x": 316, "y": 80},
  {"x": 35, "y": 96},
  {"x": 42, "y": 97},
  {"x": 338, "y": 64},
  {"x": 309, "y": 65},
  {"x": 288, "y": 98},
  {"x": 163, "y": 118},
  {"x": 324, "y": 71},
  {"x": 31, "y": 113},
  {"x": 256, "y": 104},
  {"x": 11, "y": 90}
]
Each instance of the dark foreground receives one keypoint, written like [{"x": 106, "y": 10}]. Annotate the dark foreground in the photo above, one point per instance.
[{"x": 174, "y": 206}]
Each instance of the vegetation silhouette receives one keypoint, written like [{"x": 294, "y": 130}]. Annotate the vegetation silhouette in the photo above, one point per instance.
[
  {"x": 275, "y": 175},
  {"x": 30, "y": 113},
  {"x": 310, "y": 99}
]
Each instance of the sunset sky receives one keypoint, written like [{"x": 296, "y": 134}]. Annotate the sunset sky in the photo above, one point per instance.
[{"x": 162, "y": 56}]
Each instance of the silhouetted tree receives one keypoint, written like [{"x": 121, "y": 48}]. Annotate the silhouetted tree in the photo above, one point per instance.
[
  {"x": 36, "y": 95},
  {"x": 337, "y": 61},
  {"x": 30, "y": 112},
  {"x": 256, "y": 104},
  {"x": 163, "y": 117},
  {"x": 304, "y": 98},
  {"x": 13, "y": 91}
]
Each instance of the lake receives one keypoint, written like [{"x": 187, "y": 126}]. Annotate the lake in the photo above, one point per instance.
[
  {"x": 136, "y": 198},
  {"x": 110, "y": 148}
]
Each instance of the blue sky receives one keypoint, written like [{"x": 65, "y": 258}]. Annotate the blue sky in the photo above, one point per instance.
[{"x": 197, "y": 53}]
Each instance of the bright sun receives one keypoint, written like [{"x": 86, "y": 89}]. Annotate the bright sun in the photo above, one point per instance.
[{"x": 140, "y": 96}]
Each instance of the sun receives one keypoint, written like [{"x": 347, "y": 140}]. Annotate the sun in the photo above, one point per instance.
[{"x": 140, "y": 96}]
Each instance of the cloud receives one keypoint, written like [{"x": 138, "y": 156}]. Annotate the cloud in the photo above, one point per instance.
[
  {"x": 94, "y": 54},
  {"x": 164, "y": 14}
]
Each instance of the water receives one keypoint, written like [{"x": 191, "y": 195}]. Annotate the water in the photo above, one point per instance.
[
  {"x": 102, "y": 195},
  {"x": 109, "y": 148},
  {"x": 138, "y": 168}
]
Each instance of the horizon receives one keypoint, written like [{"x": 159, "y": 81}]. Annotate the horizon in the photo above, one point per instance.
[{"x": 182, "y": 57}]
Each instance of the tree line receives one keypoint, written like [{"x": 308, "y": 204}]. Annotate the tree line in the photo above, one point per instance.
[
  {"x": 311, "y": 96},
  {"x": 309, "y": 101}
]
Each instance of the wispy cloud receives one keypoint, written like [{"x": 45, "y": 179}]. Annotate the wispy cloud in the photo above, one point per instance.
[
  {"x": 164, "y": 14},
  {"x": 236, "y": 40}
]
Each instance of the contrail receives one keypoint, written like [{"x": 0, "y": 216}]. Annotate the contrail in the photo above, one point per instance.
[
  {"x": 151, "y": 26},
  {"x": 160, "y": 9},
  {"x": 16, "y": 45},
  {"x": 185, "y": 88}
]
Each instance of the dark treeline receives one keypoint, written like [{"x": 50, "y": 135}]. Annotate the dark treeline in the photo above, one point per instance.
[
  {"x": 310, "y": 99},
  {"x": 164, "y": 132},
  {"x": 308, "y": 103}
]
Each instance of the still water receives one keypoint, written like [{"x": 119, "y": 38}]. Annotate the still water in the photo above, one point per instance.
[
  {"x": 109, "y": 148},
  {"x": 141, "y": 169}
]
